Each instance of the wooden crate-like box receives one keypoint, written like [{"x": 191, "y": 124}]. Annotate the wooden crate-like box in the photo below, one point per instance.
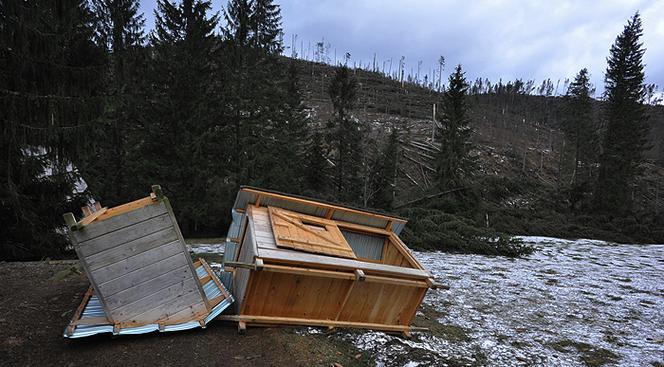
[
  {"x": 303, "y": 262},
  {"x": 138, "y": 264}
]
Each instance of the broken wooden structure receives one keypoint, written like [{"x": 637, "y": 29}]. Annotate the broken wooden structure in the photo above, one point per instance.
[
  {"x": 142, "y": 275},
  {"x": 298, "y": 261}
]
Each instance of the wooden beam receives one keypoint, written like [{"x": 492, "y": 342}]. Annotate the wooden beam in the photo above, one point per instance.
[
  {"x": 79, "y": 310},
  {"x": 337, "y": 263},
  {"x": 259, "y": 264},
  {"x": 247, "y": 319},
  {"x": 403, "y": 249},
  {"x": 70, "y": 221},
  {"x": 308, "y": 272},
  {"x": 396, "y": 281},
  {"x": 322, "y": 205},
  {"x": 90, "y": 218},
  {"x": 214, "y": 278},
  {"x": 156, "y": 189}
]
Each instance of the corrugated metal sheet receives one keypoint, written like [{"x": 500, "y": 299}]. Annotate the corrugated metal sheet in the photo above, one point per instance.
[
  {"x": 236, "y": 225},
  {"x": 94, "y": 309},
  {"x": 364, "y": 245}
]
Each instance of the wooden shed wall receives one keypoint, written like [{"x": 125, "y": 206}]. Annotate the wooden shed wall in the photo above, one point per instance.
[
  {"x": 140, "y": 268},
  {"x": 320, "y": 298}
]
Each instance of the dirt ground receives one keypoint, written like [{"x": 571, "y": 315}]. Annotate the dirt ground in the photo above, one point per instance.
[{"x": 37, "y": 300}]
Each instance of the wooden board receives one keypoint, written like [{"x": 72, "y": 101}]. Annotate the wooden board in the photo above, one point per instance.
[
  {"x": 322, "y": 296},
  {"x": 138, "y": 264},
  {"x": 308, "y": 233},
  {"x": 327, "y": 262}
]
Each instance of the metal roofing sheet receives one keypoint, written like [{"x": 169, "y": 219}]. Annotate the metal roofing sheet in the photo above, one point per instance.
[
  {"x": 93, "y": 308},
  {"x": 364, "y": 245}
]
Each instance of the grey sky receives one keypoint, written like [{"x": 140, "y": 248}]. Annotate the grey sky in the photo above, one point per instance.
[{"x": 493, "y": 39}]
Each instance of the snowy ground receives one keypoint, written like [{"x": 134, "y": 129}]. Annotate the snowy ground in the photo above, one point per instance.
[{"x": 569, "y": 304}]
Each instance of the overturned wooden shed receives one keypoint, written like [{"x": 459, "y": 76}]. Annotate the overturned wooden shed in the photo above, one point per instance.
[
  {"x": 294, "y": 260},
  {"x": 142, "y": 276}
]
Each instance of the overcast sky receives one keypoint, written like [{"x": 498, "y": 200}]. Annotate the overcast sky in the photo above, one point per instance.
[{"x": 493, "y": 39}]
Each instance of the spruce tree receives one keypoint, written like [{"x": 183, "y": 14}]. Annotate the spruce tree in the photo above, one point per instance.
[
  {"x": 454, "y": 164},
  {"x": 109, "y": 165},
  {"x": 580, "y": 129},
  {"x": 386, "y": 172},
  {"x": 345, "y": 136},
  {"x": 626, "y": 121},
  {"x": 181, "y": 111},
  {"x": 50, "y": 96}
]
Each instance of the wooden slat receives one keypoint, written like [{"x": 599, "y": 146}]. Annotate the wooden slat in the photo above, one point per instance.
[
  {"x": 124, "y": 208},
  {"x": 128, "y": 233},
  {"x": 308, "y": 272},
  {"x": 313, "y": 322},
  {"x": 98, "y": 227},
  {"x": 148, "y": 287},
  {"x": 131, "y": 248},
  {"x": 396, "y": 281},
  {"x": 87, "y": 220},
  {"x": 321, "y": 205},
  {"x": 79, "y": 310},
  {"x": 138, "y": 262},
  {"x": 291, "y": 230},
  {"x": 131, "y": 280},
  {"x": 167, "y": 300},
  {"x": 300, "y": 258}
]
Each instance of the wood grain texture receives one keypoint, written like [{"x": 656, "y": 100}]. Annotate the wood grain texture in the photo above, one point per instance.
[
  {"x": 100, "y": 227},
  {"x": 125, "y": 234},
  {"x": 308, "y": 233}
]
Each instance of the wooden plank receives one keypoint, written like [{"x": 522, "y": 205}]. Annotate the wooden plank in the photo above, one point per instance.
[
  {"x": 131, "y": 280},
  {"x": 79, "y": 310},
  {"x": 99, "y": 227},
  {"x": 334, "y": 323},
  {"x": 124, "y": 235},
  {"x": 322, "y": 205},
  {"x": 308, "y": 272},
  {"x": 214, "y": 278},
  {"x": 124, "y": 208},
  {"x": 405, "y": 251},
  {"x": 131, "y": 248},
  {"x": 157, "y": 189},
  {"x": 148, "y": 287},
  {"x": 293, "y": 257},
  {"x": 90, "y": 218},
  {"x": 396, "y": 281},
  {"x": 292, "y": 230},
  {"x": 138, "y": 262},
  {"x": 166, "y": 301}
]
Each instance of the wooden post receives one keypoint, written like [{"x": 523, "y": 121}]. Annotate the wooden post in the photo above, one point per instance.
[
  {"x": 70, "y": 220},
  {"x": 156, "y": 189}
]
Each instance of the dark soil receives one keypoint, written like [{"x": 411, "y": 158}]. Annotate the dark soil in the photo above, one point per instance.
[{"x": 37, "y": 300}]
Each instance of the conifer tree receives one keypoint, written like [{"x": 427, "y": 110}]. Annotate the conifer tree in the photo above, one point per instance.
[
  {"x": 108, "y": 164},
  {"x": 266, "y": 26},
  {"x": 386, "y": 172},
  {"x": 454, "y": 163},
  {"x": 626, "y": 121},
  {"x": 50, "y": 96},
  {"x": 181, "y": 111},
  {"x": 316, "y": 165},
  {"x": 580, "y": 133},
  {"x": 345, "y": 136}
]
